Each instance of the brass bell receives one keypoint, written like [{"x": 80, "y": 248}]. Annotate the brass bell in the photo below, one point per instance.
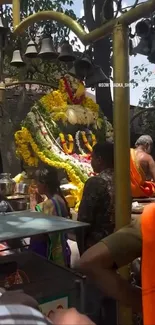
[
  {"x": 143, "y": 28},
  {"x": 47, "y": 51},
  {"x": 31, "y": 51},
  {"x": 151, "y": 56},
  {"x": 75, "y": 73},
  {"x": 66, "y": 52},
  {"x": 17, "y": 60},
  {"x": 95, "y": 77},
  {"x": 83, "y": 66},
  {"x": 142, "y": 47}
]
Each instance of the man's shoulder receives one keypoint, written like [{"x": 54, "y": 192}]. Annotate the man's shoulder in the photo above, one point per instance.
[{"x": 100, "y": 180}]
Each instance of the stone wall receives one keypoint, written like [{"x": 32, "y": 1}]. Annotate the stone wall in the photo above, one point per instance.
[{"x": 17, "y": 105}]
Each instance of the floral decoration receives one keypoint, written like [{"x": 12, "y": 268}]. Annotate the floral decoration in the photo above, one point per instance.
[
  {"x": 67, "y": 150},
  {"x": 37, "y": 139}
]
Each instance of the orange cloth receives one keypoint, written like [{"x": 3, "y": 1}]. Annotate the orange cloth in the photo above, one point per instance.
[
  {"x": 139, "y": 186},
  {"x": 148, "y": 264}
]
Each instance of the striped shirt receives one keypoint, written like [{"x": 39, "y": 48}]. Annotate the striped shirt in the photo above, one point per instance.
[{"x": 21, "y": 315}]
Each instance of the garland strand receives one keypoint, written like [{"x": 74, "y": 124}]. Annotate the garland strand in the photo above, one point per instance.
[{"x": 67, "y": 150}]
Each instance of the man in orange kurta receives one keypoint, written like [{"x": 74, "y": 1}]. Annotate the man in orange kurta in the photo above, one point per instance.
[{"x": 142, "y": 168}]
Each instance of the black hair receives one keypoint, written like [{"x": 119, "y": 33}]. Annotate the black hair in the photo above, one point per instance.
[
  {"x": 49, "y": 176},
  {"x": 105, "y": 151}
]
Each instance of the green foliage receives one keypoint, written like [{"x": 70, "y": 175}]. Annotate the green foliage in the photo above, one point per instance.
[
  {"x": 146, "y": 120},
  {"x": 36, "y": 69}
]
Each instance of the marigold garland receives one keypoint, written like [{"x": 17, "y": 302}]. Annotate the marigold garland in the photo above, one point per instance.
[
  {"x": 54, "y": 102},
  {"x": 86, "y": 143},
  {"x": 23, "y": 147},
  {"x": 64, "y": 144},
  {"x": 59, "y": 116},
  {"x": 24, "y": 133},
  {"x": 89, "y": 103}
]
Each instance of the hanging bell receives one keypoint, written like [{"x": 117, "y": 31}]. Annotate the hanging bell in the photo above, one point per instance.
[
  {"x": 47, "y": 51},
  {"x": 66, "y": 52},
  {"x": 31, "y": 51},
  {"x": 17, "y": 60},
  {"x": 75, "y": 73},
  {"x": 151, "y": 56},
  {"x": 95, "y": 77},
  {"x": 143, "y": 28},
  {"x": 142, "y": 48},
  {"x": 83, "y": 66}
]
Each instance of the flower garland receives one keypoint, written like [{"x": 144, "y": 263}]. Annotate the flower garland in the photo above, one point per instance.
[
  {"x": 24, "y": 133},
  {"x": 23, "y": 148},
  {"x": 90, "y": 104},
  {"x": 62, "y": 90},
  {"x": 77, "y": 139},
  {"x": 79, "y": 94},
  {"x": 85, "y": 140},
  {"x": 67, "y": 150},
  {"x": 59, "y": 116},
  {"x": 78, "y": 97},
  {"x": 54, "y": 102}
]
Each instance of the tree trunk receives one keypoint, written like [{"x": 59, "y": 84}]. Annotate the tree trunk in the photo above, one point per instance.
[{"x": 102, "y": 50}]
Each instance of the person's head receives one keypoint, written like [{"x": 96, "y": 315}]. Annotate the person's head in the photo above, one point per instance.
[
  {"x": 102, "y": 156},
  {"x": 145, "y": 142},
  {"x": 47, "y": 180}
]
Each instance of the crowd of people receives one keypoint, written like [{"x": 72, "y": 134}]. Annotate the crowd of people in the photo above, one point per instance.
[{"x": 104, "y": 250}]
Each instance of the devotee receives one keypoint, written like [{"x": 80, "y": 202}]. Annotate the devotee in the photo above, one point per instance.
[
  {"x": 18, "y": 308},
  {"x": 101, "y": 261},
  {"x": 142, "y": 168},
  {"x": 53, "y": 246},
  {"x": 97, "y": 204}
]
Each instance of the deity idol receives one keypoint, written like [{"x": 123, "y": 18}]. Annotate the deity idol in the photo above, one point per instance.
[{"x": 61, "y": 129}]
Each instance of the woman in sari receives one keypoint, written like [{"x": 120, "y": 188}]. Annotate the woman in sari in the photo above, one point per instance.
[{"x": 54, "y": 247}]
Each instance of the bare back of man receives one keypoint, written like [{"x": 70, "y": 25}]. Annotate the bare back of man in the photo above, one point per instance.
[
  {"x": 143, "y": 148},
  {"x": 145, "y": 161}
]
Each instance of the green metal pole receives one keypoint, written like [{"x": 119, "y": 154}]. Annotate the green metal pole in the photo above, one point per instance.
[{"x": 122, "y": 142}]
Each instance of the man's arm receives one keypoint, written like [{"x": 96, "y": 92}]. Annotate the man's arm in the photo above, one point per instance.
[{"x": 151, "y": 167}]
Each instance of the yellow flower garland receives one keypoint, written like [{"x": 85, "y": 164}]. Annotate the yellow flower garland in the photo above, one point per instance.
[
  {"x": 59, "y": 116},
  {"x": 54, "y": 102},
  {"x": 57, "y": 101},
  {"x": 24, "y": 136},
  {"x": 87, "y": 144},
  {"x": 63, "y": 90},
  {"x": 23, "y": 148},
  {"x": 64, "y": 144},
  {"x": 89, "y": 103}
]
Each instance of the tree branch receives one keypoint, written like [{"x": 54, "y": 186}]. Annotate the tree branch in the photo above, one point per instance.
[{"x": 88, "y": 13}]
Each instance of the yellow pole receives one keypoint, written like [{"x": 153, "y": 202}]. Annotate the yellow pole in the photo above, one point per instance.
[
  {"x": 122, "y": 142},
  {"x": 16, "y": 13}
]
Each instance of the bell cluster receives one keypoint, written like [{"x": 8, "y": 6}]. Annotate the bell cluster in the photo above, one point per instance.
[
  {"x": 80, "y": 64},
  {"x": 145, "y": 30}
]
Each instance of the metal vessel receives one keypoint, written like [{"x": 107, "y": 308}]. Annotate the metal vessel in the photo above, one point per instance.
[
  {"x": 21, "y": 188},
  {"x": 7, "y": 185}
]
